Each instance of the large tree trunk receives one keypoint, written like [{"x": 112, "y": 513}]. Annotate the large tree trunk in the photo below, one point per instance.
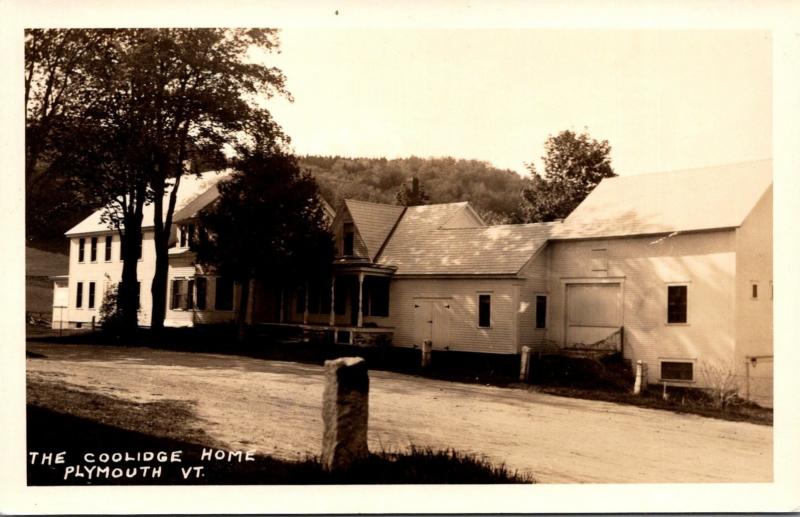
[
  {"x": 128, "y": 304},
  {"x": 241, "y": 316},
  {"x": 159, "y": 287}
]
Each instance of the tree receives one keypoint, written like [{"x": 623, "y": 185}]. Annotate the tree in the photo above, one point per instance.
[
  {"x": 267, "y": 224},
  {"x": 573, "y": 165},
  {"x": 413, "y": 196},
  {"x": 168, "y": 97},
  {"x": 56, "y": 61},
  {"x": 199, "y": 96}
]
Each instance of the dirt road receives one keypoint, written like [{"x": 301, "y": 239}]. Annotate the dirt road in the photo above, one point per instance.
[{"x": 275, "y": 407}]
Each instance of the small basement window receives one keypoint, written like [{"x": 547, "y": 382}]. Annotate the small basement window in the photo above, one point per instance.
[
  {"x": 677, "y": 301},
  {"x": 484, "y": 310},
  {"x": 754, "y": 291},
  {"x": 677, "y": 371}
]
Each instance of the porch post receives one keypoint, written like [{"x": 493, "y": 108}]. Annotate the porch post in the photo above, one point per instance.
[
  {"x": 250, "y": 300},
  {"x": 305, "y": 307},
  {"x": 360, "y": 298},
  {"x": 282, "y": 304},
  {"x": 333, "y": 291}
]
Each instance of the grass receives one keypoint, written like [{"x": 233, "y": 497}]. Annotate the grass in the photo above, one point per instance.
[
  {"x": 61, "y": 418},
  {"x": 610, "y": 380}
]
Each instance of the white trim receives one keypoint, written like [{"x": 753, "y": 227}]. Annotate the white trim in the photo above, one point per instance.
[
  {"x": 688, "y": 321},
  {"x": 547, "y": 311},
  {"x": 478, "y": 295},
  {"x": 692, "y": 361}
]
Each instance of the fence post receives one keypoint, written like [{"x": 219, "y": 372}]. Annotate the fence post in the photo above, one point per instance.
[
  {"x": 345, "y": 412},
  {"x": 524, "y": 364},
  {"x": 427, "y": 346}
]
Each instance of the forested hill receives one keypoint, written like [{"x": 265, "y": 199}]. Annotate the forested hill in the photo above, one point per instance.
[{"x": 494, "y": 193}]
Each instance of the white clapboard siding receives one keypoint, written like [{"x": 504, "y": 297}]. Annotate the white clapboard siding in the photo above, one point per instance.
[
  {"x": 644, "y": 266},
  {"x": 464, "y": 333},
  {"x": 754, "y": 267},
  {"x": 105, "y": 273},
  {"x": 535, "y": 283}
]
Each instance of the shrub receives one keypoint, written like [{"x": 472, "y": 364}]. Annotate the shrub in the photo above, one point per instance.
[
  {"x": 723, "y": 383},
  {"x": 110, "y": 315}
]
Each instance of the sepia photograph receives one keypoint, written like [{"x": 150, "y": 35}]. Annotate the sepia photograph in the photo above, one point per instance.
[{"x": 359, "y": 256}]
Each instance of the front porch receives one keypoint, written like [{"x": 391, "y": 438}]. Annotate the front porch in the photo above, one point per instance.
[{"x": 352, "y": 307}]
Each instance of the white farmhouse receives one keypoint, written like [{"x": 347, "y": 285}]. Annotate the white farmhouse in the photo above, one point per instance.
[{"x": 673, "y": 269}]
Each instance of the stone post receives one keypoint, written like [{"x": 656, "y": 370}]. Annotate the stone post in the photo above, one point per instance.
[
  {"x": 525, "y": 363},
  {"x": 427, "y": 347},
  {"x": 345, "y": 411}
]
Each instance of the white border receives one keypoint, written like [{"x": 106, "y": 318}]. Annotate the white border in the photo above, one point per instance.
[{"x": 781, "y": 16}]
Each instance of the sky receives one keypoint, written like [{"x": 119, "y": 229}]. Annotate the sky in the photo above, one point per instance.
[{"x": 664, "y": 100}]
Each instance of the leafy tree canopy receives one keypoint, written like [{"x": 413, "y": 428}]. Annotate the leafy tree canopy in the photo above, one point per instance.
[
  {"x": 573, "y": 165},
  {"x": 268, "y": 223}
]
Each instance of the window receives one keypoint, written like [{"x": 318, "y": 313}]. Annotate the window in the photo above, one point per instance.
[
  {"x": 223, "y": 297},
  {"x": 200, "y": 290},
  {"x": 138, "y": 295},
  {"x": 676, "y": 303},
  {"x": 81, "y": 249},
  {"x": 91, "y": 295},
  {"x": 93, "y": 252},
  {"x": 485, "y": 310},
  {"x": 182, "y": 290},
  {"x": 300, "y": 300},
  {"x": 339, "y": 298},
  {"x": 187, "y": 236},
  {"x": 754, "y": 294},
  {"x": 109, "y": 240},
  {"x": 541, "y": 311},
  {"x": 677, "y": 371},
  {"x": 379, "y": 296},
  {"x": 141, "y": 238},
  {"x": 79, "y": 295},
  {"x": 348, "y": 239},
  {"x": 599, "y": 260}
]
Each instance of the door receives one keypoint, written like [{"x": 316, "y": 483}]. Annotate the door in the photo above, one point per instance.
[
  {"x": 594, "y": 312},
  {"x": 432, "y": 322}
]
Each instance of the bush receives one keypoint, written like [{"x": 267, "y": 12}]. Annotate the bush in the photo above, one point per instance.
[
  {"x": 723, "y": 383},
  {"x": 110, "y": 315}
]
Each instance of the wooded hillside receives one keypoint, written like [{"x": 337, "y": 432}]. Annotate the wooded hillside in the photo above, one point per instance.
[{"x": 494, "y": 193}]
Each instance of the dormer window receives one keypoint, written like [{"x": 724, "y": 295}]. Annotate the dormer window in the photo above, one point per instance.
[
  {"x": 186, "y": 234},
  {"x": 348, "y": 239}
]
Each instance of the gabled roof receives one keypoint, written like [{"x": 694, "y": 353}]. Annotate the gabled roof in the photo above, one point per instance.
[
  {"x": 374, "y": 222},
  {"x": 422, "y": 244},
  {"x": 486, "y": 250},
  {"x": 666, "y": 202},
  {"x": 194, "y": 193}
]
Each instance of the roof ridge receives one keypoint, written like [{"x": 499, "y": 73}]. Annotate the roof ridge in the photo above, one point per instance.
[{"x": 690, "y": 169}]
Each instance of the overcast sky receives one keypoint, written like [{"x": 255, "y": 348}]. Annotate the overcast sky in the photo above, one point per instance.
[{"x": 663, "y": 99}]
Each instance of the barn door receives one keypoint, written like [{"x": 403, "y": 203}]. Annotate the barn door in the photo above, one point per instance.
[
  {"x": 594, "y": 312},
  {"x": 423, "y": 321},
  {"x": 432, "y": 321},
  {"x": 440, "y": 333}
]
